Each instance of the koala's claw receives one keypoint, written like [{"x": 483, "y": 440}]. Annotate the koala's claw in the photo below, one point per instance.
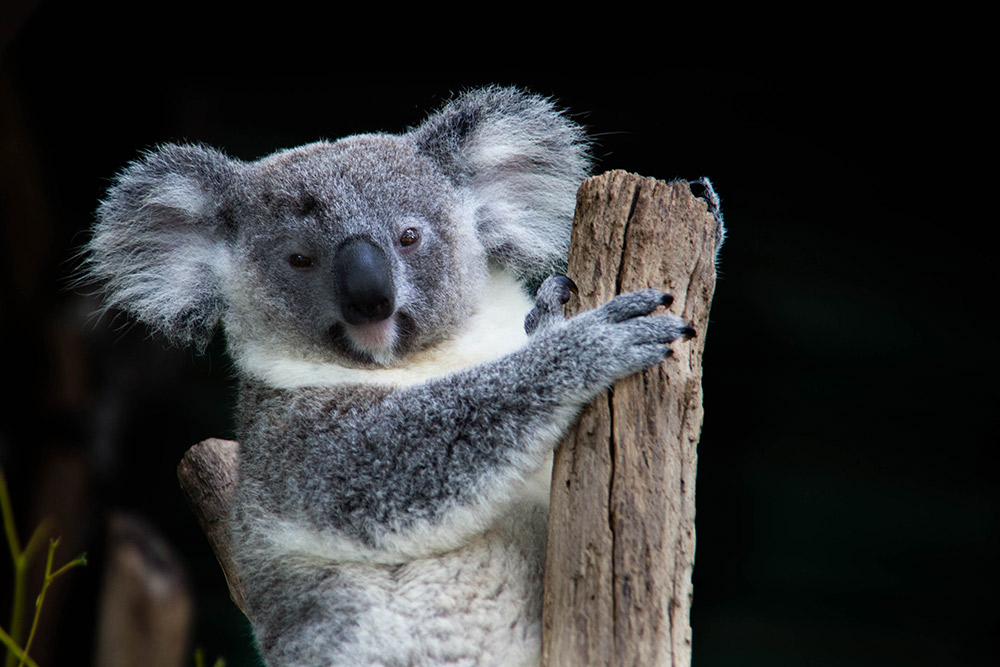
[
  {"x": 552, "y": 295},
  {"x": 567, "y": 287},
  {"x": 630, "y": 345},
  {"x": 635, "y": 304}
]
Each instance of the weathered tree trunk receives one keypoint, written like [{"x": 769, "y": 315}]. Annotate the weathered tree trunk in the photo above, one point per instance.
[{"x": 621, "y": 526}]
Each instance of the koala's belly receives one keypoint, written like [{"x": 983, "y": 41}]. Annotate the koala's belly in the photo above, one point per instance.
[{"x": 478, "y": 605}]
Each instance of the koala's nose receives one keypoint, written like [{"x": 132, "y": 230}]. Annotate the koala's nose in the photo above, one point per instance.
[{"x": 364, "y": 283}]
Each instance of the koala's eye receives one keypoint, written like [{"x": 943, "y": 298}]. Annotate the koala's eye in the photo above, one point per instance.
[
  {"x": 409, "y": 236},
  {"x": 300, "y": 261}
]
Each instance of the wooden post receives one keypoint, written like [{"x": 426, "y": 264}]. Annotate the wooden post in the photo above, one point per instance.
[{"x": 621, "y": 525}]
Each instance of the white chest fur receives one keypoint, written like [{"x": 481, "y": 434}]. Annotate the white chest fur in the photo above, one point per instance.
[
  {"x": 478, "y": 605},
  {"x": 489, "y": 334}
]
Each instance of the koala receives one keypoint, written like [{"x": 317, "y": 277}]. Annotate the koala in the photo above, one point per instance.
[{"x": 400, "y": 393}]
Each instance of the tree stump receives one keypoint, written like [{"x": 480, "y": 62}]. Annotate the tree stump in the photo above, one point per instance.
[{"x": 621, "y": 525}]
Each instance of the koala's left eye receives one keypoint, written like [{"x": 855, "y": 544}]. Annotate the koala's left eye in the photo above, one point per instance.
[
  {"x": 300, "y": 261},
  {"x": 409, "y": 236}
]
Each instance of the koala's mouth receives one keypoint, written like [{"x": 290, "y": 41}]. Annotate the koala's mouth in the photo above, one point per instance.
[
  {"x": 375, "y": 337},
  {"x": 378, "y": 343}
]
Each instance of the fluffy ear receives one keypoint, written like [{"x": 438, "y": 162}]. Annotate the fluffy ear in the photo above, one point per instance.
[
  {"x": 160, "y": 243},
  {"x": 522, "y": 161}
]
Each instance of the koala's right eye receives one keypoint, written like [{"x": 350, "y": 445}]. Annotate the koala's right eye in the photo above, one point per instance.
[{"x": 300, "y": 261}]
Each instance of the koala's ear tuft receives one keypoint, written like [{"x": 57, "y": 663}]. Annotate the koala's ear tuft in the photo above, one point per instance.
[
  {"x": 522, "y": 160},
  {"x": 160, "y": 244}
]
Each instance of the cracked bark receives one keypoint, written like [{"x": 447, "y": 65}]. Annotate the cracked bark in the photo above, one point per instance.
[{"x": 621, "y": 526}]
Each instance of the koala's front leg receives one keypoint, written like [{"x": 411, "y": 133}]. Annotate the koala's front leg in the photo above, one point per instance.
[
  {"x": 607, "y": 343},
  {"x": 473, "y": 437}
]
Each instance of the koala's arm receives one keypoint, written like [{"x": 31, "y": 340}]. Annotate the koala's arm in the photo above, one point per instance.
[{"x": 417, "y": 470}]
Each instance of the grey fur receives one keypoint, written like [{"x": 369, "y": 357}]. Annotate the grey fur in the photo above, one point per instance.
[{"x": 378, "y": 523}]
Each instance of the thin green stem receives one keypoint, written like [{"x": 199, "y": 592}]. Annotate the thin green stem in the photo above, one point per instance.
[
  {"x": 36, "y": 540},
  {"x": 21, "y": 583},
  {"x": 20, "y": 559},
  {"x": 8, "y": 518},
  {"x": 17, "y": 607},
  {"x": 19, "y": 563},
  {"x": 76, "y": 562},
  {"x": 50, "y": 576},
  {"x": 199, "y": 659},
  {"x": 15, "y": 651}
]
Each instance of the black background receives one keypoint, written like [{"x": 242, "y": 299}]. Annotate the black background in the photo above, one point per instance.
[{"x": 846, "y": 511}]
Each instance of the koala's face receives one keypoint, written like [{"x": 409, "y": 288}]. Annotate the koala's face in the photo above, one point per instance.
[{"x": 357, "y": 251}]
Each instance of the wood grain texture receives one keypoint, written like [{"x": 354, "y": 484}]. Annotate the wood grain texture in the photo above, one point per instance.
[
  {"x": 207, "y": 475},
  {"x": 621, "y": 527}
]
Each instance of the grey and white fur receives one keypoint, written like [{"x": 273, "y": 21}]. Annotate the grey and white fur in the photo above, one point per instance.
[{"x": 396, "y": 421}]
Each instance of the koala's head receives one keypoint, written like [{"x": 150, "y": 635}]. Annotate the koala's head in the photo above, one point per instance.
[{"x": 357, "y": 251}]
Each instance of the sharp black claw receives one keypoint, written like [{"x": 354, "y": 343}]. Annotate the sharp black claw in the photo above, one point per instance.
[
  {"x": 666, "y": 299},
  {"x": 568, "y": 287},
  {"x": 688, "y": 332}
]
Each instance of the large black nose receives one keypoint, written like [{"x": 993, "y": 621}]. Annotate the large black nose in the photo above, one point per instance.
[{"x": 364, "y": 283}]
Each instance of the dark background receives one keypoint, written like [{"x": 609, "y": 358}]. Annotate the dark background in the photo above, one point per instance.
[{"x": 846, "y": 510}]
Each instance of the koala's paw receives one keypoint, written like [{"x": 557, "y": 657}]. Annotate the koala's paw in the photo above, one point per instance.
[
  {"x": 624, "y": 336},
  {"x": 553, "y": 294}
]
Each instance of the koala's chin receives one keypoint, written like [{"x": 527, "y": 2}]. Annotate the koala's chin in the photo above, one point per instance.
[
  {"x": 375, "y": 338},
  {"x": 375, "y": 344}
]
